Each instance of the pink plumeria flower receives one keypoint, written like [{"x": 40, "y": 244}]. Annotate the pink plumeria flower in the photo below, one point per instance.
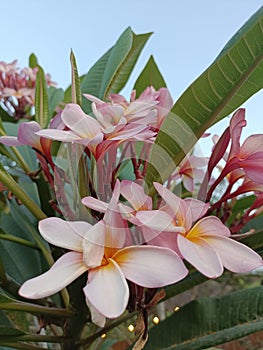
[
  {"x": 136, "y": 197},
  {"x": 150, "y": 108},
  {"x": 98, "y": 136},
  {"x": 190, "y": 171},
  {"x": 27, "y": 136},
  {"x": 83, "y": 129},
  {"x": 164, "y": 99},
  {"x": 101, "y": 250},
  {"x": 249, "y": 155},
  {"x": 140, "y": 112},
  {"x": 8, "y": 68},
  {"x": 133, "y": 193},
  {"x": 206, "y": 244},
  {"x": 123, "y": 121}
]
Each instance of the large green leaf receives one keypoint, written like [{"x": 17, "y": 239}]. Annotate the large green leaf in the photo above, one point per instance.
[
  {"x": 41, "y": 99},
  {"x": 111, "y": 72},
  {"x": 91, "y": 82},
  {"x": 75, "y": 81},
  {"x": 55, "y": 97},
  {"x": 20, "y": 262},
  {"x": 210, "y": 321},
  {"x": 233, "y": 77},
  {"x": 150, "y": 76}
]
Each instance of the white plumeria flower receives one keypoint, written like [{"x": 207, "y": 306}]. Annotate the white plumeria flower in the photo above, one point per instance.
[{"x": 102, "y": 251}]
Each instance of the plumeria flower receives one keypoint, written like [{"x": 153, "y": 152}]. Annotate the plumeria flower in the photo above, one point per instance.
[
  {"x": 164, "y": 99},
  {"x": 190, "y": 171},
  {"x": 27, "y": 135},
  {"x": 150, "y": 108},
  {"x": 139, "y": 112},
  {"x": 17, "y": 89},
  {"x": 102, "y": 251},
  {"x": 83, "y": 129},
  {"x": 25, "y": 92},
  {"x": 249, "y": 155},
  {"x": 205, "y": 243},
  {"x": 136, "y": 197},
  {"x": 97, "y": 135}
]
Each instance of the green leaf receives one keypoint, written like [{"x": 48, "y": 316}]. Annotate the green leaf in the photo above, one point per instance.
[
  {"x": 55, "y": 97},
  {"x": 41, "y": 99},
  {"x": 33, "y": 61},
  {"x": 111, "y": 72},
  {"x": 75, "y": 81},
  {"x": 235, "y": 76},
  {"x": 150, "y": 76},
  {"x": 117, "y": 74},
  {"x": 20, "y": 194},
  {"x": 255, "y": 241},
  {"x": 20, "y": 262},
  {"x": 210, "y": 321},
  {"x": 8, "y": 331},
  {"x": 91, "y": 82},
  {"x": 67, "y": 93}
]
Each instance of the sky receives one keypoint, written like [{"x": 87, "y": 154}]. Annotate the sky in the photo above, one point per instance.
[{"x": 187, "y": 37}]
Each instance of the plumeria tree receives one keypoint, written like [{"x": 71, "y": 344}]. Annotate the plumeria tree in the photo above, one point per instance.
[{"x": 109, "y": 213}]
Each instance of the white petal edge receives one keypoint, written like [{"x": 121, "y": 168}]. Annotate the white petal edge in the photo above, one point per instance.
[
  {"x": 65, "y": 270},
  {"x": 64, "y": 234}
]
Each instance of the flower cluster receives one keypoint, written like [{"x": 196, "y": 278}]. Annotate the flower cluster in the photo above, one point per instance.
[
  {"x": 129, "y": 239},
  {"x": 17, "y": 89}
]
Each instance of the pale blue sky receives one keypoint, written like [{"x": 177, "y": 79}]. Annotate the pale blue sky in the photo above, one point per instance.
[{"x": 187, "y": 37}]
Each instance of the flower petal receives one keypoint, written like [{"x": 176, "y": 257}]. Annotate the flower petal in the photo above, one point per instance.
[
  {"x": 58, "y": 135},
  {"x": 158, "y": 220},
  {"x": 252, "y": 144},
  {"x": 210, "y": 225},
  {"x": 27, "y": 134},
  {"x": 79, "y": 122},
  {"x": 64, "y": 234},
  {"x": 237, "y": 123},
  {"x": 150, "y": 266},
  {"x": 107, "y": 289},
  {"x": 93, "y": 245},
  {"x": 96, "y": 317},
  {"x": 95, "y": 204},
  {"x": 135, "y": 195},
  {"x": 179, "y": 207},
  {"x": 197, "y": 207},
  {"x": 201, "y": 255},
  {"x": 66, "y": 269},
  {"x": 10, "y": 141},
  {"x": 235, "y": 256}
]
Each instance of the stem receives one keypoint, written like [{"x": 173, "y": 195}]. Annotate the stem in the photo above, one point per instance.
[
  {"x": 36, "y": 309},
  {"x": 36, "y": 338},
  {"x": 18, "y": 240},
  {"x": 21, "y": 346},
  {"x": 12, "y": 185},
  {"x": 21, "y": 160}
]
